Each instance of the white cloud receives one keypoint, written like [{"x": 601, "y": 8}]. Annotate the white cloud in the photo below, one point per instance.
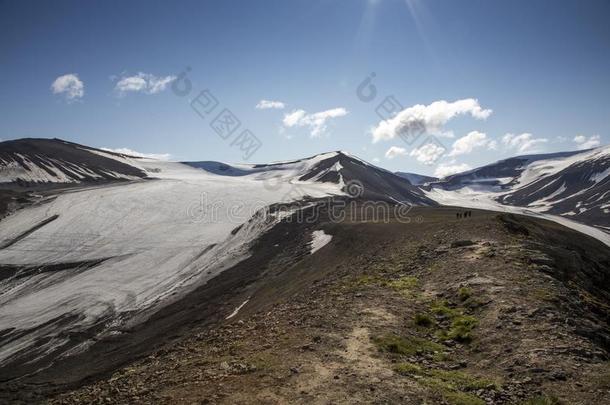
[
  {"x": 144, "y": 83},
  {"x": 522, "y": 143},
  {"x": 395, "y": 151},
  {"x": 70, "y": 86},
  {"x": 470, "y": 142},
  {"x": 427, "y": 118},
  {"x": 267, "y": 104},
  {"x": 292, "y": 119},
  {"x": 582, "y": 142},
  {"x": 428, "y": 153},
  {"x": 131, "y": 152},
  {"x": 375, "y": 160},
  {"x": 444, "y": 170},
  {"x": 580, "y": 139},
  {"x": 316, "y": 122}
]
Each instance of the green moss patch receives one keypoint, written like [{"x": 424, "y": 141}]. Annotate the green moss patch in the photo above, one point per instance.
[
  {"x": 424, "y": 320},
  {"x": 461, "y": 328},
  {"x": 408, "y": 369},
  {"x": 462, "y": 398},
  {"x": 442, "y": 308},
  {"x": 463, "y": 381},
  {"x": 407, "y": 346},
  {"x": 464, "y": 293},
  {"x": 461, "y": 325},
  {"x": 452, "y": 385},
  {"x": 405, "y": 285},
  {"x": 366, "y": 280}
]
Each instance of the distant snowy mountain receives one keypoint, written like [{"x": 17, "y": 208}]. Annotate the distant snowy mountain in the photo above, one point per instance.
[
  {"x": 571, "y": 184},
  {"x": 353, "y": 175},
  {"x": 30, "y": 162},
  {"x": 53, "y": 161},
  {"x": 500, "y": 175}
]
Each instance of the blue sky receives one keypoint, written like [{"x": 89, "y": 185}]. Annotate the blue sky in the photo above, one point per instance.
[{"x": 479, "y": 70}]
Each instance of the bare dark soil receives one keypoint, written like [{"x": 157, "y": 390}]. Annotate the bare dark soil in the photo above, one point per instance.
[{"x": 517, "y": 310}]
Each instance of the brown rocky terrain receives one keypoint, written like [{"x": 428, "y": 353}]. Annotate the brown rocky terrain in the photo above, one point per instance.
[{"x": 486, "y": 309}]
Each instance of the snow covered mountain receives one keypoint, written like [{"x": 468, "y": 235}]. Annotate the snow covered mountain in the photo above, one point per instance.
[
  {"x": 353, "y": 175},
  {"x": 575, "y": 185},
  {"x": 28, "y": 162},
  {"x": 86, "y": 263},
  {"x": 500, "y": 175}
]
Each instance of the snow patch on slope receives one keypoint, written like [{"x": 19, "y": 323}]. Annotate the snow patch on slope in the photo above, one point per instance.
[
  {"x": 319, "y": 239},
  {"x": 237, "y": 310},
  {"x": 547, "y": 202},
  {"x": 597, "y": 177}
]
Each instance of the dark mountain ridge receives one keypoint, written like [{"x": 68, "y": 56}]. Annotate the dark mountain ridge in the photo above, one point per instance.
[{"x": 30, "y": 161}]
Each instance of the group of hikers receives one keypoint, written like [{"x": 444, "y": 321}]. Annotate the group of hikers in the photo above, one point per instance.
[{"x": 464, "y": 214}]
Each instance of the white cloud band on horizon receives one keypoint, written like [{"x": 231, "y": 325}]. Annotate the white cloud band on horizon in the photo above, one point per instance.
[
  {"x": 143, "y": 83},
  {"x": 270, "y": 104},
  {"x": 444, "y": 170},
  {"x": 131, "y": 152},
  {"x": 524, "y": 142},
  {"x": 429, "y": 118},
  {"x": 395, "y": 151},
  {"x": 70, "y": 86},
  {"x": 316, "y": 122},
  {"x": 582, "y": 142}
]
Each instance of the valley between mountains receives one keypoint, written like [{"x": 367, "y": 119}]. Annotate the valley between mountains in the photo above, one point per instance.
[{"x": 319, "y": 280}]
